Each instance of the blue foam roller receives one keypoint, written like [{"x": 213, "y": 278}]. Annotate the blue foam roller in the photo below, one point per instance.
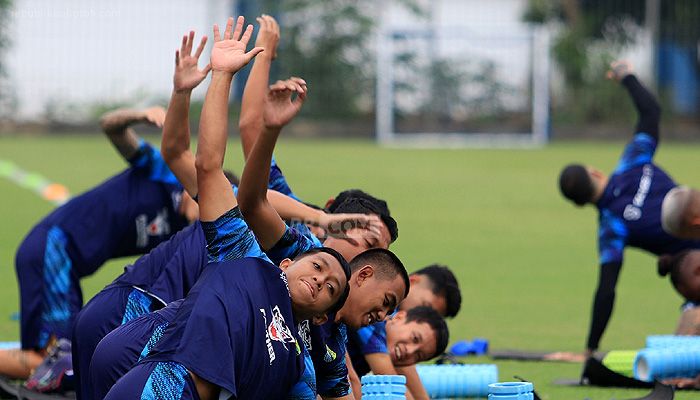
[
  {"x": 457, "y": 380},
  {"x": 511, "y": 391},
  {"x": 672, "y": 341},
  {"x": 383, "y": 387},
  {"x": 663, "y": 363},
  {"x": 9, "y": 345}
]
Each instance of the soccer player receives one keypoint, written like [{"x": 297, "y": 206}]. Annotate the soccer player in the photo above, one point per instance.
[
  {"x": 680, "y": 213},
  {"x": 628, "y": 201},
  {"x": 405, "y": 339},
  {"x": 128, "y": 214},
  {"x": 234, "y": 333},
  {"x": 434, "y": 286}
]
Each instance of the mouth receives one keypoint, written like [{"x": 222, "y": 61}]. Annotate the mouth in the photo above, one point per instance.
[
  {"x": 398, "y": 354},
  {"x": 311, "y": 289},
  {"x": 370, "y": 319}
]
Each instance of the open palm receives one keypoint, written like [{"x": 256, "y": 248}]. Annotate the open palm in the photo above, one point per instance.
[
  {"x": 228, "y": 54},
  {"x": 187, "y": 73}
]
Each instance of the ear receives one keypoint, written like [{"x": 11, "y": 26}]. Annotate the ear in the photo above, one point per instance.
[
  {"x": 329, "y": 202},
  {"x": 414, "y": 278},
  {"x": 319, "y": 319},
  {"x": 400, "y": 316},
  {"x": 285, "y": 264},
  {"x": 365, "y": 273}
]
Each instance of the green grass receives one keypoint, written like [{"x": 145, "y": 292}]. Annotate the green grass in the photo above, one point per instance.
[{"x": 525, "y": 258}]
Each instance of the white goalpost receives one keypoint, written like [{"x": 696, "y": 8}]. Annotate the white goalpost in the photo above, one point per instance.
[{"x": 461, "y": 87}]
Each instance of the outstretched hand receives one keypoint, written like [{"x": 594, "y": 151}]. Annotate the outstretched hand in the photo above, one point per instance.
[
  {"x": 268, "y": 35},
  {"x": 154, "y": 116},
  {"x": 228, "y": 54},
  {"x": 619, "y": 70},
  {"x": 187, "y": 74},
  {"x": 338, "y": 225},
  {"x": 280, "y": 107}
]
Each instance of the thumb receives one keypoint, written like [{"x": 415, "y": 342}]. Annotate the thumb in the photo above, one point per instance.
[{"x": 254, "y": 52}]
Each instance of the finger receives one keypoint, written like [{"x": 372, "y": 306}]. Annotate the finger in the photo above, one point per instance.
[
  {"x": 246, "y": 35},
  {"x": 254, "y": 52},
  {"x": 298, "y": 80},
  {"x": 206, "y": 69},
  {"x": 190, "y": 42},
  {"x": 217, "y": 35},
  {"x": 238, "y": 30},
  {"x": 200, "y": 48},
  {"x": 177, "y": 57},
  {"x": 184, "y": 44}
]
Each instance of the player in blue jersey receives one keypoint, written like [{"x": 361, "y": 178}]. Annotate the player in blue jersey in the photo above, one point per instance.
[
  {"x": 249, "y": 299},
  {"x": 405, "y": 339},
  {"x": 628, "y": 201},
  {"x": 128, "y": 214}
]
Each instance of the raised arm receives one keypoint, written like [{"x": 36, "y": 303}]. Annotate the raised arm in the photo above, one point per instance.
[
  {"x": 648, "y": 108},
  {"x": 116, "y": 125},
  {"x": 175, "y": 144},
  {"x": 603, "y": 303},
  {"x": 279, "y": 110},
  {"x": 251, "y": 121},
  {"x": 227, "y": 57}
]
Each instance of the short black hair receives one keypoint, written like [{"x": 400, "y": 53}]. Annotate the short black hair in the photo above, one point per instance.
[
  {"x": 232, "y": 178},
  {"x": 670, "y": 264},
  {"x": 386, "y": 264},
  {"x": 355, "y": 201},
  {"x": 443, "y": 283},
  {"x": 575, "y": 184},
  {"x": 346, "y": 270},
  {"x": 428, "y": 315}
]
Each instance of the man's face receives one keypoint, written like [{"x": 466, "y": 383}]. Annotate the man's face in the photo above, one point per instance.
[
  {"x": 315, "y": 282},
  {"x": 689, "y": 287},
  {"x": 421, "y": 294},
  {"x": 357, "y": 240},
  {"x": 409, "y": 343},
  {"x": 371, "y": 299}
]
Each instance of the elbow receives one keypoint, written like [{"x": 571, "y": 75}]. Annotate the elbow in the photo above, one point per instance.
[
  {"x": 207, "y": 165},
  {"x": 171, "y": 152}
]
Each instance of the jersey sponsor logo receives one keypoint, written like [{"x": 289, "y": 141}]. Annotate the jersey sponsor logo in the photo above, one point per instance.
[
  {"x": 158, "y": 226},
  {"x": 268, "y": 340},
  {"x": 330, "y": 355},
  {"x": 305, "y": 332},
  {"x": 283, "y": 276},
  {"x": 633, "y": 211},
  {"x": 278, "y": 330}
]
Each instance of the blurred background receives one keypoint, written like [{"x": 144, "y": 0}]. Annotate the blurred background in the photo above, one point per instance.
[{"x": 532, "y": 68}]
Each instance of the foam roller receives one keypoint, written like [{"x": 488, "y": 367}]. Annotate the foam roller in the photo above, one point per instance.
[
  {"x": 663, "y": 363},
  {"x": 511, "y": 391},
  {"x": 672, "y": 341},
  {"x": 457, "y": 380},
  {"x": 621, "y": 361},
  {"x": 383, "y": 387}
]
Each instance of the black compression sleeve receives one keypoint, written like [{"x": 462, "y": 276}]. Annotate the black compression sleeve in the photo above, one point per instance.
[
  {"x": 647, "y": 107},
  {"x": 603, "y": 302}
]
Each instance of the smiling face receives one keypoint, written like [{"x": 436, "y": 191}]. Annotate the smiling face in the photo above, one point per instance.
[
  {"x": 316, "y": 282},
  {"x": 421, "y": 294},
  {"x": 371, "y": 298},
  {"x": 409, "y": 342},
  {"x": 357, "y": 240}
]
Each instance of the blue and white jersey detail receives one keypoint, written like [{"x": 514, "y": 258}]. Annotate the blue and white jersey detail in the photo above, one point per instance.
[
  {"x": 230, "y": 238},
  {"x": 148, "y": 157},
  {"x": 292, "y": 244},
  {"x": 639, "y": 151},
  {"x": 166, "y": 382},
  {"x": 612, "y": 235}
]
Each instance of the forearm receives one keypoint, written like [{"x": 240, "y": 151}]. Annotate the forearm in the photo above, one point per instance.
[
  {"x": 175, "y": 143},
  {"x": 251, "y": 119},
  {"x": 252, "y": 194},
  {"x": 211, "y": 149},
  {"x": 293, "y": 210},
  {"x": 115, "y": 124},
  {"x": 648, "y": 108},
  {"x": 355, "y": 383},
  {"x": 413, "y": 382},
  {"x": 603, "y": 304}
]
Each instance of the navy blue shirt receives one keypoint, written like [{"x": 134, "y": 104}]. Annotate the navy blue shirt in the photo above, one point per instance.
[
  {"x": 366, "y": 340},
  {"x": 128, "y": 214},
  {"x": 236, "y": 329},
  {"x": 326, "y": 344},
  {"x": 630, "y": 206}
]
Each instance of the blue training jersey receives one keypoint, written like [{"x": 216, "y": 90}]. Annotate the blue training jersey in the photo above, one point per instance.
[
  {"x": 326, "y": 345},
  {"x": 244, "y": 295},
  {"x": 366, "y": 340},
  {"x": 630, "y": 207},
  {"x": 128, "y": 214},
  {"x": 171, "y": 269}
]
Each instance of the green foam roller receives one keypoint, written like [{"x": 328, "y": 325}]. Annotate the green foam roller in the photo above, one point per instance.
[
  {"x": 34, "y": 181},
  {"x": 7, "y": 168},
  {"x": 621, "y": 361}
]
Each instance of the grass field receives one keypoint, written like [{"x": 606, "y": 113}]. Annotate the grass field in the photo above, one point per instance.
[{"x": 525, "y": 259}]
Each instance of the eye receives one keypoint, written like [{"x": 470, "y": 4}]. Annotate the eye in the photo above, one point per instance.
[
  {"x": 415, "y": 338},
  {"x": 331, "y": 288},
  {"x": 317, "y": 267},
  {"x": 386, "y": 301}
]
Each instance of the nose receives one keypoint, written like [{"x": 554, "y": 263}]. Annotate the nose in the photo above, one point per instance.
[{"x": 412, "y": 349}]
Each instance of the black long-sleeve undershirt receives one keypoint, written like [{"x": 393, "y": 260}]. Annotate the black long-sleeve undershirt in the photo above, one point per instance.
[
  {"x": 647, "y": 107},
  {"x": 603, "y": 302}
]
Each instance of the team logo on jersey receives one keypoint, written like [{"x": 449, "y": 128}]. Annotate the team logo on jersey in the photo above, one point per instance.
[
  {"x": 158, "y": 226},
  {"x": 633, "y": 211},
  {"x": 278, "y": 330},
  {"x": 330, "y": 355},
  {"x": 305, "y": 333}
]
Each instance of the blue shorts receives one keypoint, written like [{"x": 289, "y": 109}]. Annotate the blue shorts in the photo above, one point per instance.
[
  {"x": 121, "y": 349},
  {"x": 50, "y": 295},
  {"x": 110, "y": 308},
  {"x": 155, "y": 380}
]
